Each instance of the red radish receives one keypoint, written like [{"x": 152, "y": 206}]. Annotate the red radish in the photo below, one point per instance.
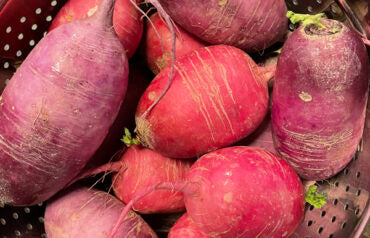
[
  {"x": 126, "y": 20},
  {"x": 239, "y": 192},
  {"x": 185, "y": 228},
  {"x": 143, "y": 168},
  {"x": 72, "y": 85},
  {"x": 139, "y": 79},
  {"x": 83, "y": 212},
  {"x": 155, "y": 57},
  {"x": 251, "y": 25},
  {"x": 223, "y": 96},
  {"x": 319, "y": 98},
  {"x": 139, "y": 168}
]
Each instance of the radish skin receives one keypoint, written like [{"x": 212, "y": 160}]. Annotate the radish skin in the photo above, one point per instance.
[
  {"x": 155, "y": 57},
  {"x": 224, "y": 98},
  {"x": 185, "y": 228},
  {"x": 66, "y": 83},
  {"x": 263, "y": 197},
  {"x": 319, "y": 99},
  {"x": 126, "y": 20},
  {"x": 83, "y": 212}
]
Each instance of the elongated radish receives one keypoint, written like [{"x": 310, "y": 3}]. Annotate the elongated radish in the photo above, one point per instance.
[
  {"x": 126, "y": 20},
  {"x": 155, "y": 57},
  {"x": 83, "y": 212},
  {"x": 72, "y": 85},
  {"x": 238, "y": 192},
  {"x": 319, "y": 98},
  {"x": 223, "y": 96},
  {"x": 251, "y": 25}
]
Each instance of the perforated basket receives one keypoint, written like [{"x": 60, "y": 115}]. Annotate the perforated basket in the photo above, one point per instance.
[{"x": 347, "y": 210}]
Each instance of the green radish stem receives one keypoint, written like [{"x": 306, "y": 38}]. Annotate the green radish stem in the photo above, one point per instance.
[
  {"x": 128, "y": 140},
  {"x": 315, "y": 198},
  {"x": 190, "y": 189},
  {"x": 306, "y": 19}
]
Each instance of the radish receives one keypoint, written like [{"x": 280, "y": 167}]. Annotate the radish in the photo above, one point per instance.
[
  {"x": 158, "y": 58},
  {"x": 83, "y": 212},
  {"x": 238, "y": 192},
  {"x": 251, "y": 25},
  {"x": 319, "y": 98},
  {"x": 126, "y": 20},
  {"x": 139, "y": 168},
  {"x": 185, "y": 228},
  {"x": 223, "y": 96},
  {"x": 71, "y": 85}
]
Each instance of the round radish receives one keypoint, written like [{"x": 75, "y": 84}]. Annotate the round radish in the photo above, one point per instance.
[
  {"x": 239, "y": 192},
  {"x": 251, "y": 25},
  {"x": 83, "y": 212},
  {"x": 142, "y": 168},
  {"x": 71, "y": 85},
  {"x": 155, "y": 57},
  {"x": 185, "y": 228},
  {"x": 126, "y": 20},
  {"x": 319, "y": 98},
  {"x": 218, "y": 96}
]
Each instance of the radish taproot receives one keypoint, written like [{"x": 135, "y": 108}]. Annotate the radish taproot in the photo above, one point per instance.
[
  {"x": 224, "y": 98},
  {"x": 155, "y": 57},
  {"x": 72, "y": 85},
  {"x": 185, "y": 228},
  {"x": 319, "y": 98},
  {"x": 239, "y": 192},
  {"x": 251, "y": 25},
  {"x": 126, "y": 20},
  {"x": 84, "y": 212}
]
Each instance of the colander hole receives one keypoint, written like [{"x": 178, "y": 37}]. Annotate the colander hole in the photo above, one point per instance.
[
  {"x": 319, "y": 1},
  {"x": 17, "y": 233},
  {"x": 43, "y": 235},
  {"x": 345, "y": 171},
  {"x": 53, "y": 3},
  {"x": 49, "y": 18},
  {"x": 15, "y": 215},
  {"x": 40, "y": 204},
  {"x": 34, "y": 27},
  {"x": 23, "y": 19},
  {"x": 32, "y": 43},
  {"x": 291, "y": 26},
  {"x": 309, "y": 223},
  {"x": 295, "y": 2},
  {"x": 358, "y": 174},
  {"x": 347, "y": 188},
  {"x": 6, "y": 47},
  {"x": 323, "y": 213},
  {"x": 309, "y": 8},
  {"x": 346, "y": 207},
  {"x": 7, "y": 81},
  {"x": 45, "y": 32},
  {"x": 6, "y": 65},
  {"x": 358, "y": 192},
  {"x": 19, "y": 53},
  {"x": 320, "y": 230},
  {"x": 38, "y": 11},
  {"x": 333, "y": 219},
  {"x": 41, "y": 219},
  {"x": 331, "y": 236},
  {"x": 336, "y": 184},
  {"x": 343, "y": 225},
  {"x": 2, "y": 221},
  {"x": 20, "y": 36},
  {"x": 27, "y": 210},
  {"x": 335, "y": 202},
  {"x": 357, "y": 211},
  {"x": 29, "y": 227},
  {"x": 8, "y": 29}
]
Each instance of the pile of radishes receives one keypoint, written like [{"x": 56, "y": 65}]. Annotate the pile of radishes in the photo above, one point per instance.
[{"x": 204, "y": 134}]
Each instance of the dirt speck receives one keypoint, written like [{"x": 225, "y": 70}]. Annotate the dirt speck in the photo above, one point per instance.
[
  {"x": 222, "y": 2},
  {"x": 228, "y": 197},
  {"x": 306, "y": 97}
]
